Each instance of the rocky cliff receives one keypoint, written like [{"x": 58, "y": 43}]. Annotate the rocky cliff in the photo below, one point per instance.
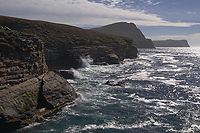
[
  {"x": 128, "y": 30},
  {"x": 64, "y": 43},
  {"x": 171, "y": 43},
  {"x": 28, "y": 92}
]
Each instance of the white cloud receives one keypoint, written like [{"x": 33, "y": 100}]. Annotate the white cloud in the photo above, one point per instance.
[
  {"x": 81, "y": 13},
  {"x": 151, "y": 2},
  {"x": 193, "y": 39}
]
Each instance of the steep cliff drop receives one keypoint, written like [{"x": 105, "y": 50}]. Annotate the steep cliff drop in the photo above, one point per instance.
[
  {"x": 128, "y": 30},
  {"x": 66, "y": 43},
  {"x": 28, "y": 91}
]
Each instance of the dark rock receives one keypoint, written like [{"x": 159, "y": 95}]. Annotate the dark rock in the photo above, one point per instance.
[
  {"x": 65, "y": 44},
  {"x": 18, "y": 103},
  {"x": 131, "y": 52},
  {"x": 58, "y": 60},
  {"x": 171, "y": 43},
  {"x": 112, "y": 59},
  {"x": 127, "y": 30},
  {"x": 67, "y": 74},
  {"x": 113, "y": 83}
]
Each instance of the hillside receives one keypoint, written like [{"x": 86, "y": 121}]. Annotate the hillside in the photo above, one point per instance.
[
  {"x": 127, "y": 30},
  {"x": 67, "y": 42},
  {"x": 171, "y": 43}
]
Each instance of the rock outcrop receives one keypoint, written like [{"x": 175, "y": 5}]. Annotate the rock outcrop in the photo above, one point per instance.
[
  {"x": 28, "y": 92},
  {"x": 171, "y": 43},
  {"x": 33, "y": 100},
  {"x": 64, "y": 43},
  {"x": 127, "y": 30}
]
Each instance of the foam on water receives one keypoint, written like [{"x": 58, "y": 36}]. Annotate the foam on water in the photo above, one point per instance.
[
  {"x": 160, "y": 95},
  {"x": 76, "y": 74},
  {"x": 86, "y": 61}
]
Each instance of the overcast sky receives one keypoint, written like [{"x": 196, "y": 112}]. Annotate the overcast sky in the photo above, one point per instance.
[{"x": 157, "y": 19}]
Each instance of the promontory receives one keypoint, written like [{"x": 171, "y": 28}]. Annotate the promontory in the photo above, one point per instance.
[{"x": 31, "y": 53}]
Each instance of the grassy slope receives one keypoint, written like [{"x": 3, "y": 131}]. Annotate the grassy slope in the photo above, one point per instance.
[{"x": 54, "y": 34}]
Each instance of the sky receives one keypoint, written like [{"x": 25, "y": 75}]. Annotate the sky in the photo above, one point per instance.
[{"x": 157, "y": 19}]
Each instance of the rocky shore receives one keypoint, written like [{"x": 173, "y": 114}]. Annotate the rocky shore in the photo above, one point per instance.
[
  {"x": 28, "y": 91},
  {"x": 32, "y": 53},
  {"x": 65, "y": 43}
]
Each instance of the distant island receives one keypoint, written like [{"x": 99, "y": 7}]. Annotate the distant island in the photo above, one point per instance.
[
  {"x": 127, "y": 30},
  {"x": 171, "y": 43}
]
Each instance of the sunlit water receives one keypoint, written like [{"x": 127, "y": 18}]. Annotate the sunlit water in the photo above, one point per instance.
[{"x": 161, "y": 94}]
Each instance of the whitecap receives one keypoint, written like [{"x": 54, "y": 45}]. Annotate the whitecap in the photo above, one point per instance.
[
  {"x": 76, "y": 74},
  {"x": 86, "y": 61}
]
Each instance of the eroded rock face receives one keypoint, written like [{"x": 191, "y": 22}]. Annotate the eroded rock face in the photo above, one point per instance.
[
  {"x": 21, "y": 58},
  {"x": 28, "y": 92},
  {"x": 64, "y": 44},
  {"x": 62, "y": 60},
  {"x": 21, "y": 104}
]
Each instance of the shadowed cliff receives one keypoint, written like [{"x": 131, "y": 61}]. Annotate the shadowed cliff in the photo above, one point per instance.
[
  {"x": 28, "y": 91},
  {"x": 64, "y": 43},
  {"x": 128, "y": 30}
]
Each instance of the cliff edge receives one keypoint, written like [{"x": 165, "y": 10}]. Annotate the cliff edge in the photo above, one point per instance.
[
  {"x": 65, "y": 43},
  {"x": 127, "y": 30},
  {"x": 28, "y": 91}
]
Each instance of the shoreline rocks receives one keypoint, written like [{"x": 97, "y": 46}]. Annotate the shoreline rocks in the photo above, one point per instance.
[
  {"x": 21, "y": 104},
  {"x": 28, "y": 92}
]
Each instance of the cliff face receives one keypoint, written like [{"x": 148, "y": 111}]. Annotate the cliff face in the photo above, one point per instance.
[
  {"x": 171, "y": 43},
  {"x": 28, "y": 92},
  {"x": 21, "y": 57},
  {"x": 128, "y": 30},
  {"x": 64, "y": 42}
]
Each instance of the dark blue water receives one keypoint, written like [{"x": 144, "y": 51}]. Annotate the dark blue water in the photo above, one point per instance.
[{"x": 161, "y": 94}]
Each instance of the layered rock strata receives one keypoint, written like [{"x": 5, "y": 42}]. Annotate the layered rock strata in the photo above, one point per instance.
[
  {"x": 65, "y": 43},
  {"x": 28, "y": 92}
]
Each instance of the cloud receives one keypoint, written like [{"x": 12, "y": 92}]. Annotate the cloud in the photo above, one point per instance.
[
  {"x": 193, "y": 39},
  {"x": 81, "y": 13},
  {"x": 151, "y": 2}
]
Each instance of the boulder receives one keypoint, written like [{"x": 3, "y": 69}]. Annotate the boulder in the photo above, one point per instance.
[
  {"x": 67, "y": 74},
  {"x": 113, "y": 83},
  {"x": 29, "y": 101},
  {"x": 112, "y": 59}
]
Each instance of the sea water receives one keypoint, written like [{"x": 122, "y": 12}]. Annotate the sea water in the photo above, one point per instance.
[{"x": 161, "y": 94}]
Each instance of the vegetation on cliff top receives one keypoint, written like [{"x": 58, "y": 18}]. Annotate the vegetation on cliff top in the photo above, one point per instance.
[
  {"x": 54, "y": 34},
  {"x": 11, "y": 40}
]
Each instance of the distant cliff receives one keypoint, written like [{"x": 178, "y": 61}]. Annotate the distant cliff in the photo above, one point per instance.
[
  {"x": 65, "y": 43},
  {"x": 128, "y": 30},
  {"x": 171, "y": 43}
]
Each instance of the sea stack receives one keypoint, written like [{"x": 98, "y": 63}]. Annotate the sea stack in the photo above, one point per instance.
[{"x": 127, "y": 30}]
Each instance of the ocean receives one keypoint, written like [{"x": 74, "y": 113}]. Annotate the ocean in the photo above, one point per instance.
[{"x": 158, "y": 92}]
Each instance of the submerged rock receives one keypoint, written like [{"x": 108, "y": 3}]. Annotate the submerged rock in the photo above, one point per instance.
[{"x": 113, "y": 83}]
